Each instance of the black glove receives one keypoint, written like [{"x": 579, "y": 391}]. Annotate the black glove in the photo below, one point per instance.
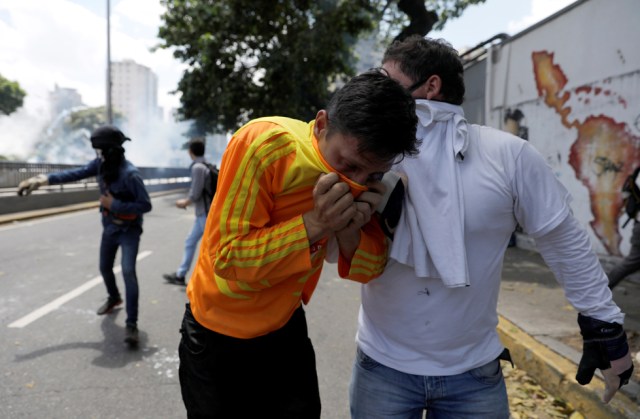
[
  {"x": 605, "y": 347},
  {"x": 390, "y": 207}
]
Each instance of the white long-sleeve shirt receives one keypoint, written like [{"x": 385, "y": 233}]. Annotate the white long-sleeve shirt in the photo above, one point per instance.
[{"x": 419, "y": 326}]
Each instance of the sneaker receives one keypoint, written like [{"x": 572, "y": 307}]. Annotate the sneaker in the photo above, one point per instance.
[
  {"x": 174, "y": 279},
  {"x": 131, "y": 335},
  {"x": 108, "y": 305}
]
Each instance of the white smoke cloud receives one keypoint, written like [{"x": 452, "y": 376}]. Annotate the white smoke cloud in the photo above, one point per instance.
[
  {"x": 43, "y": 43},
  {"x": 161, "y": 147},
  {"x": 63, "y": 42}
]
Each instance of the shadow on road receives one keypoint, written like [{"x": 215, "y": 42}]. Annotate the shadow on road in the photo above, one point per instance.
[{"x": 114, "y": 353}]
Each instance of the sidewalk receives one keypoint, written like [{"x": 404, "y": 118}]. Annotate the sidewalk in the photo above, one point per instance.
[{"x": 540, "y": 328}]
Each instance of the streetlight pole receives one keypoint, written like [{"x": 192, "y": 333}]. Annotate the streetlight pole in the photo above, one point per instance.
[{"x": 109, "y": 112}]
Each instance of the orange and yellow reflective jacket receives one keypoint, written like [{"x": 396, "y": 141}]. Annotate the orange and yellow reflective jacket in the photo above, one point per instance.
[{"x": 256, "y": 264}]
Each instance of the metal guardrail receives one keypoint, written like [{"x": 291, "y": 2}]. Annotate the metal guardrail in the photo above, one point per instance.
[{"x": 12, "y": 173}]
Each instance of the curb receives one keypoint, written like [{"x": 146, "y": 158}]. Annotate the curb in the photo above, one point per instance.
[
  {"x": 556, "y": 374},
  {"x": 29, "y": 215}
]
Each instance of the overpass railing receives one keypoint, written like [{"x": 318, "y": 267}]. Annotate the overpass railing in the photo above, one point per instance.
[{"x": 12, "y": 173}]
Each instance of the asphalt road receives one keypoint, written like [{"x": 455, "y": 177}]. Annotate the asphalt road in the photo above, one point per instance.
[{"x": 60, "y": 360}]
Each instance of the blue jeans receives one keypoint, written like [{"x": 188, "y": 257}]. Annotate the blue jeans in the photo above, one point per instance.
[
  {"x": 128, "y": 240},
  {"x": 377, "y": 391},
  {"x": 191, "y": 243}
]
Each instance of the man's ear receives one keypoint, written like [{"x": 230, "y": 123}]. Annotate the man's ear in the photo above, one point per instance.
[
  {"x": 321, "y": 125},
  {"x": 432, "y": 88}
]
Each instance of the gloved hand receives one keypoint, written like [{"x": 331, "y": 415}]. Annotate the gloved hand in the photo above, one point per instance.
[
  {"x": 27, "y": 186},
  {"x": 605, "y": 347},
  {"x": 390, "y": 207}
]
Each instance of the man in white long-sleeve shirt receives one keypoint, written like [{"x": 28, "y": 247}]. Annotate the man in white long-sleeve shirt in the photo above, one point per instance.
[{"x": 427, "y": 335}]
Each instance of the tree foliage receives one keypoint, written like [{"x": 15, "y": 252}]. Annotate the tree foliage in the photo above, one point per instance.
[
  {"x": 90, "y": 118},
  {"x": 248, "y": 59},
  {"x": 11, "y": 96}
]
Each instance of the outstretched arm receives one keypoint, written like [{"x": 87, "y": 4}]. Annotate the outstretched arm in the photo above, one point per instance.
[{"x": 27, "y": 186}]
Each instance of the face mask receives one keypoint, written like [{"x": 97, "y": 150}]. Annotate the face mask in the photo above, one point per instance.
[{"x": 355, "y": 188}]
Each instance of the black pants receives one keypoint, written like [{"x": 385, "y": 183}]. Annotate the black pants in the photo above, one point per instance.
[{"x": 271, "y": 376}]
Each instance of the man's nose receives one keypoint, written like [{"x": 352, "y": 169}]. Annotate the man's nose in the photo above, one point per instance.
[{"x": 360, "y": 178}]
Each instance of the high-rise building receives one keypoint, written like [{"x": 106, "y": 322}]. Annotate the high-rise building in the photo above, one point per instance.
[
  {"x": 62, "y": 99},
  {"x": 134, "y": 95}
]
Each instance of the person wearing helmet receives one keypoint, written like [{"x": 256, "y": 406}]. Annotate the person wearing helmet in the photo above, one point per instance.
[{"x": 123, "y": 200}]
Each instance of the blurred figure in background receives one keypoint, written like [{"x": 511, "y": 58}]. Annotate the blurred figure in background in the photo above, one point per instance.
[
  {"x": 631, "y": 262},
  {"x": 204, "y": 179}
]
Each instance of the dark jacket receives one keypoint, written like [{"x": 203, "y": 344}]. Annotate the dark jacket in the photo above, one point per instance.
[{"x": 130, "y": 197}]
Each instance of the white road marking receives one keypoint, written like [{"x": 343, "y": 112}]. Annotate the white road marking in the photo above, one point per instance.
[{"x": 58, "y": 302}]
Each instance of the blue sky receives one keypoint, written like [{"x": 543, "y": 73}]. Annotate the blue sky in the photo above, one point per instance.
[{"x": 63, "y": 42}]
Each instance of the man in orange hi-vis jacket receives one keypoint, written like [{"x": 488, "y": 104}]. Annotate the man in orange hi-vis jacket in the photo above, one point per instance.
[{"x": 286, "y": 188}]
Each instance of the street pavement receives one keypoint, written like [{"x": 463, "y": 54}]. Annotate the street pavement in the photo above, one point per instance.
[
  {"x": 532, "y": 300},
  {"x": 60, "y": 360}
]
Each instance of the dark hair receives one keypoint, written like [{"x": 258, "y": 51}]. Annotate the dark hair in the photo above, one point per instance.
[
  {"x": 196, "y": 146},
  {"x": 420, "y": 58},
  {"x": 378, "y": 112}
]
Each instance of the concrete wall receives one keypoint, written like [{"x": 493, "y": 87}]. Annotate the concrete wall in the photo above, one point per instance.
[{"x": 576, "y": 79}]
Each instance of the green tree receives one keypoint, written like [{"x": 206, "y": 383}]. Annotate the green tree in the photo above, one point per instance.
[
  {"x": 89, "y": 119},
  {"x": 11, "y": 96},
  {"x": 249, "y": 58}
]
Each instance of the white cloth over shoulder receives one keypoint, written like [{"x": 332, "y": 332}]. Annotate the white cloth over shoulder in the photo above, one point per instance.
[{"x": 430, "y": 234}]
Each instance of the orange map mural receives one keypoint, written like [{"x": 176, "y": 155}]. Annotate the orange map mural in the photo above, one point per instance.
[{"x": 603, "y": 154}]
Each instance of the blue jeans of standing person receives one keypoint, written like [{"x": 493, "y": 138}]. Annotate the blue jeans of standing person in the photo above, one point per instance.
[
  {"x": 191, "y": 243},
  {"x": 377, "y": 391},
  {"x": 128, "y": 240}
]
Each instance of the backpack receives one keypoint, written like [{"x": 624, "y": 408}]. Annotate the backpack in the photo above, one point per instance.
[
  {"x": 210, "y": 185},
  {"x": 631, "y": 194}
]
